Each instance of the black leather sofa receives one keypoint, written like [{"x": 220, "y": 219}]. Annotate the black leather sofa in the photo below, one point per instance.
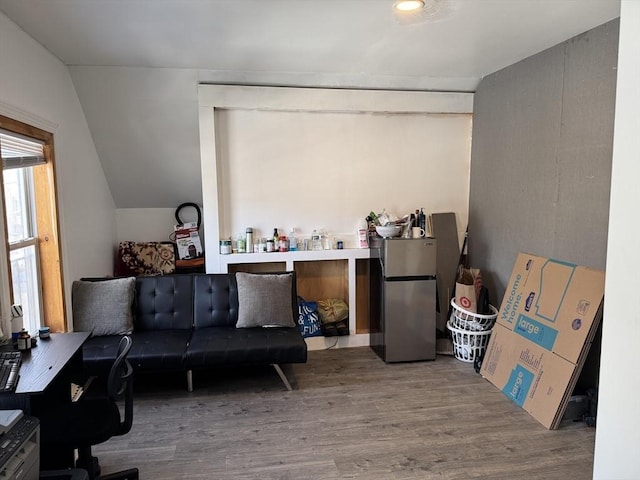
[{"x": 188, "y": 323}]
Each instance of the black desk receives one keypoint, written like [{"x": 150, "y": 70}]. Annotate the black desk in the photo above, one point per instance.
[
  {"x": 46, "y": 374},
  {"x": 50, "y": 364}
]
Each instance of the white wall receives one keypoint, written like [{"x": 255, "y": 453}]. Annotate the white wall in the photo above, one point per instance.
[
  {"x": 145, "y": 224},
  {"x": 328, "y": 170},
  {"x": 618, "y": 429},
  {"x": 36, "y": 88},
  {"x": 323, "y": 159}
]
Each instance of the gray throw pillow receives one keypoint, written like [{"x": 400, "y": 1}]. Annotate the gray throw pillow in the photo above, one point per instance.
[
  {"x": 103, "y": 307},
  {"x": 264, "y": 300}
]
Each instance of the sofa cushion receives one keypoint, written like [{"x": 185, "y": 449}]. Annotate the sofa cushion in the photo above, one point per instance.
[
  {"x": 160, "y": 350},
  {"x": 219, "y": 346},
  {"x": 264, "y": 300},
  {"x": 103, "y": 308},
  {"x": 99, "y": 353},
  {"x": 164, "y": 303},
  {"x": 215, "y": 300},
  {"x": 150, "y": 351}
]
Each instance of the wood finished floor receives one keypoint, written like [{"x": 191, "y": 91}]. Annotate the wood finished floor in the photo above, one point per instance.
[{"x": 351, "y": 416}]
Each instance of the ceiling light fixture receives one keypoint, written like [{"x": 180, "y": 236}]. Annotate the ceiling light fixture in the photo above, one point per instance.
[{"x": 408, "y": 5}]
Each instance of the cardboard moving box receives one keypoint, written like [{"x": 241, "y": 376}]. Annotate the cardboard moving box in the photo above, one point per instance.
[
  {"x": 545, "y": 326},
  {"x": 532, "y": 377}
]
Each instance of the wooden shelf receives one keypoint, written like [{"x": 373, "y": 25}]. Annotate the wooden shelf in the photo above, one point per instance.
[
  {"x": 297, "y": 256},
  {"x": 320, "y": 274}
]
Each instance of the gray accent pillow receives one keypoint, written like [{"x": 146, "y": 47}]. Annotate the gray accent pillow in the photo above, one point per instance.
[
  {"x": 265, "y": 300},
  {"x": 103, "y": 307}
]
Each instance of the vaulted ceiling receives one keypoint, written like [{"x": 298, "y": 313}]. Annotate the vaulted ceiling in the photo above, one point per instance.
[{"x": 136, "y": 64}]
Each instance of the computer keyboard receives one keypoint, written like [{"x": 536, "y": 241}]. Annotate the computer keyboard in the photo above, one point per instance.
[{"x": 9, "y": 370}]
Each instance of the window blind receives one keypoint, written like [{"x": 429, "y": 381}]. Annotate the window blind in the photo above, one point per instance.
[{"x": 18, "y": 151}]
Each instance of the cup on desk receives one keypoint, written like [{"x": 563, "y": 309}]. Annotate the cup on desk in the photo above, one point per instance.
[{"x": 417, "y": 232}]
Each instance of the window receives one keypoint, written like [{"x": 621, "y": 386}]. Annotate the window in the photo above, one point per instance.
[
  {"x": 19, "y": 157},
  {"x": 30, "y": 219}
]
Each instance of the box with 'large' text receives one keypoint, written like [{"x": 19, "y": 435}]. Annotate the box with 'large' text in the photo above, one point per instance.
[
  {"x": 553, "y": 304},
  {"x": 545, "y": 326},
  {"x": 533, "y": 378}
]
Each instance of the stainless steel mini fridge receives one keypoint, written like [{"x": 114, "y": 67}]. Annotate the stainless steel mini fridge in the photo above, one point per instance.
[{"x": 403, "y": 299}]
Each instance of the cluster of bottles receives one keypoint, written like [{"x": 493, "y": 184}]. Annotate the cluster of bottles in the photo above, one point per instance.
[
  {"x": 419, "y": 219},
  {"x": 246, "y": 243},
  {"x": 276, "y": 243}
]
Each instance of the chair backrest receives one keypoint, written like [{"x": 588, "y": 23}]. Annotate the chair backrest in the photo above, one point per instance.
[{"x": 121, "y": 383}]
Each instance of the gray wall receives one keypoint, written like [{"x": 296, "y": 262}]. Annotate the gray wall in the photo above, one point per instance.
[{"x": 541, "y": 158}]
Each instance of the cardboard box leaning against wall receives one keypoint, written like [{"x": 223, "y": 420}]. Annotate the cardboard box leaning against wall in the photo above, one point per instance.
[
  {"x": 533, "y": 378},
  {"x": 545, "y": 326},
  {"x": 553, "y": 304}
]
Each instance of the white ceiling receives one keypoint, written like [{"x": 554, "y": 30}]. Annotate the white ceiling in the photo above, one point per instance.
[
  {"x": 450, "y": 45},
  {"x": 456, "y": 39}
]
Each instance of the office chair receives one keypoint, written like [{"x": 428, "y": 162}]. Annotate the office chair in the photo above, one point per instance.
[{"x": 91, "y": 421}]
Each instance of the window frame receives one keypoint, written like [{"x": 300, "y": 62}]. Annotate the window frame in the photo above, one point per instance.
[{"x": 53, "y": 305}]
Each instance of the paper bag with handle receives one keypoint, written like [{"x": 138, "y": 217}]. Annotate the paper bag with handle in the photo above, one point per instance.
[{"x": 468, "y": 285}]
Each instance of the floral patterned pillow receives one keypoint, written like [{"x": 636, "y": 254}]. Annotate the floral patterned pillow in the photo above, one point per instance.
[{"x": 145, "y": 258}]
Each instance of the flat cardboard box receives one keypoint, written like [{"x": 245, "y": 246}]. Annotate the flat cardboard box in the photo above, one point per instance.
[
  {"x": 553, "y": 304},
  {"x": 545, "y": 326},
  {"x": 533, "y": 378}
]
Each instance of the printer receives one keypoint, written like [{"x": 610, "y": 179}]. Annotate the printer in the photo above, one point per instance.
[{"x": 19, "y": 446}]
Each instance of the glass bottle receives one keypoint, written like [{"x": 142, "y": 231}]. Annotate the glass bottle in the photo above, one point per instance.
[
  {"x": 283, "y": 244},
  {"x": 316, "y": 241},
  {"x": 241, "y": 244},
  {"x": 293, "y": 241},
  {"x": 422, "y": 220},
  {"x": 24, "y": 340}
]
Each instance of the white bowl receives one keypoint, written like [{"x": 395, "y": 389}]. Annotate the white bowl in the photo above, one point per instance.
[{"x": 389, "y": 231}]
